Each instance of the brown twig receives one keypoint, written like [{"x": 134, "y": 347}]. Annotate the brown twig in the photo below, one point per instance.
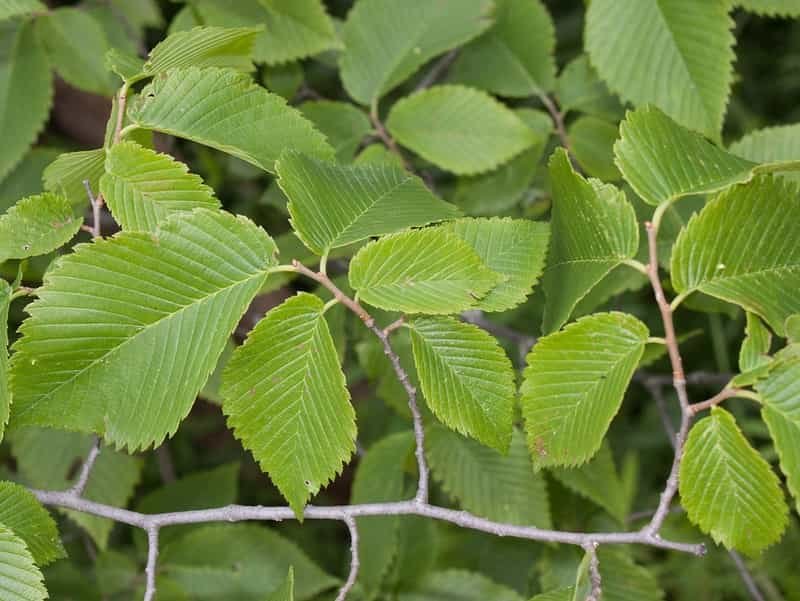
[
  {"x": 725, "y": 393},
  {"x": 438, "y": 70},
  {"x": 386, "y": 137},
  {"x": 354, "y": 560},
  {"x": 97, "y": 210},
  {"x": 558, "y": 121},
  {"x": 395, "y": 325},
  {"x": 595, "y": 579}
]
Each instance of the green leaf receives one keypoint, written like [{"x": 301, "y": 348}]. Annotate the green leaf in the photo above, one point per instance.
[
  {"x": 515, "y": 56},
  {"x": 79, "y": 59},
  {"x": 467, "y": 379},
  {"x": 286, "y": 591},
  {"x": 143, "y": 187},
  {"x": 592, "y": 143},
  {"x": 421, "y": 271},
  {"x": 67, "y": 173},
  {"x": 771, "y": 8},
  {"x": 380, "y": 478},
  {"x": 741, "y": 248},
  {"x": 334, "y": 205},
  {"x": 515, "y": 248},
  {"x": 26, "y": 178},
  {"x": 24, "y": 73},
  {"x": 771, "y": 144},
  {"x": 296, "y": 29},
  {"x": 37, "y": 225},
  {"x": 502, "y": 488},
  {"x": 624, "y": 580},
  {"x": 594, "y": 230},
  {"x": 285, "y": 80},
  {"x": 780, "y": 391},
  {"x": 22, "y": 513},
  {"x": 257, "y": 125},
  {"x": 5, "y": 392},
  {"x": 662, "y": 161},
  {"x": 240, "y": 562},
  {"x": 645, "y": 50},
  {"x": 385, "y": 42},
  {"x": 17, "y": 8},
  {"x": 286, "y": 400},
  {"x": 459, "y": 585},
  {"x": 343, "y": 124},
  {"x": 579, "y": 89},
  {"x": 216, "y": 487},
  {"x": 155, "y": 337},
  {"x": 204, "y": 47},
  {"x": 792, "y": 327},
  {"x": 501, "y": 189},
  {"x": 728, "y": 489},
  {"x": 755, "y": 348},
  {"x": 20, "y": 579},
  {"x": 562, "y": 594},
  {"x": 574, "y": 384},
  {"x": 598, "y": 481},
  {"x": 46, "y": 459},
  {"x": 459, "y": 129}
]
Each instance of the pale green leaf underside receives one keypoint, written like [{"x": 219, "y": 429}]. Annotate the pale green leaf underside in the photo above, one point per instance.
[
  {"x": 421, "y": 271},
  {"x": 143, "y": 187},
  {"x": 515, "y": 56},
  {"x": 5, "y": 392},
  {"x": 380, "y": 478},
  {"x": 594, "y": 230},
  {"x": 771, "y": 144},
  {"x": 285, "y": 397},
  {"x": 204, "y": 47},
  {"x": 781, "y": 8},
  {"x": 515, "y": 248},
  {"x": 466, "y": 378},
  {"x": 458, "y": 585},
  {"x": 663, "y": 161},
  {"x": 22, "y": 513},
  {"x": 386, "y": 41},
  {"x": 728, "y": 489},
  {"x": 503, "y": 488},
  {"x": 224, "y": 109},
  {"x": 743, "y": 249},
  {"x": 285, "y": 592},
  {"x": 20, "y": 579},
  {"x": 780, "y": 391},
  {"x": 109, "y": 352},
  {"x": 16, "y": 8},
  {"x": 459, "y": 129},
  {"x": 25, "y": 74},
  {"x": 296, "y": 29},
  {"x": 36, "y": 225},
  {"x": 676, "y": 54},
  {"x": 67, "y": 173},
  {"x": 334, "y": 205},
  {"x": 574, "y": 384},
  {"x": 599, "y": 482}
]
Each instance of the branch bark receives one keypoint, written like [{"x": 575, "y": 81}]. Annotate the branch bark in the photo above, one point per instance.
[
  {"x": 354, "y": 560},
  {"x": 86, "y": 469}
]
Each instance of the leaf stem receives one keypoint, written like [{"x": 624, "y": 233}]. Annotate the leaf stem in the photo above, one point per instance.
[
  {"x": 386, "y": 138},
  {"x": 724, "y": 394}
]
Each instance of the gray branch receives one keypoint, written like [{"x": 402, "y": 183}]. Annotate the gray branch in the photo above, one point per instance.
[
  {"x": 86, "y": 469},
  {"x": 354, "y": 560}
]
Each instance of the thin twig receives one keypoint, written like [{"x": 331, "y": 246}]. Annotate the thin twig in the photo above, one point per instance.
[
  {"x": 394, "y": 359},
  {"x": 239, "y": 513},
  {"x": 746, "y": 576},
  {"x": 97, "y": 209},
  {"x": 558, "y": 121},
  {"x": 523, "y": 341},
  {"x": 86, "y": 469},
  {"x": 386, "y": 138},
  {"x": 354, "y": 560},
  {"x": 595, "y": 579},
  {"x": 122, "y": 99},
  {"x": 725, "y": 393},
  {"x": 678, "y": 382},
  {"x": 438, "y": 70},
  {"x": 152, "y": 561},
  {"x": 656, "y": 391},
  {"x": 397, "y": 324}
]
